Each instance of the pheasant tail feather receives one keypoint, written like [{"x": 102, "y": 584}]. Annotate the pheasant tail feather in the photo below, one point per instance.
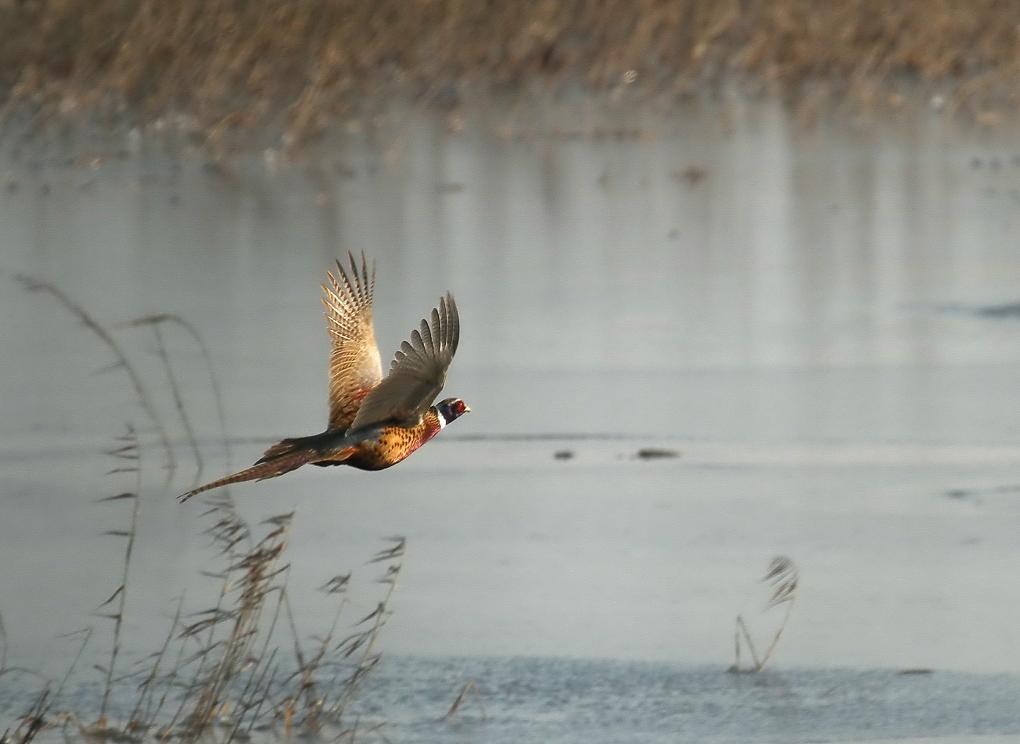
[
  {"x": 260, "y": 471},
  {"x": 281, "y": 448}
]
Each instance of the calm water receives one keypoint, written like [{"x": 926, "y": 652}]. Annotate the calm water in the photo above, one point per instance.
[
  {"x": 818, "y": 322},
  {"x": 586, "y": 700}
]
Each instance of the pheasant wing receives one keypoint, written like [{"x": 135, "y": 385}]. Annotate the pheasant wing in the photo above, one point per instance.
[
  {"x": 417, "y": 374},
  {"x": 354, "y": 366}
]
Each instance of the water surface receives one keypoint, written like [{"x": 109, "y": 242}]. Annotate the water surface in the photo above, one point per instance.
[{"x": 807, "y": 317}]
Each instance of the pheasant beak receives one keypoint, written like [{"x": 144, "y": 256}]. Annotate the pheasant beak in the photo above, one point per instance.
[{"x": 467, "y": 408}]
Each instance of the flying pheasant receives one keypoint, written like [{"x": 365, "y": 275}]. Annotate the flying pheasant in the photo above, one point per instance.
[{"x": 373, "y": 422}]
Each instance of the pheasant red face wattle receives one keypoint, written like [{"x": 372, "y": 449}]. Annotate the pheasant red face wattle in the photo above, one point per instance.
[{"x": 451, "y": 409}]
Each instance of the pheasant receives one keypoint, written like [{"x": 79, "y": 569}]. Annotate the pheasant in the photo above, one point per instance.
[{"x": 374, "y": 422}]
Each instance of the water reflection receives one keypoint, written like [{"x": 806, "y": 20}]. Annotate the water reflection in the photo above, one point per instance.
[{"x": 788, "y": 296}]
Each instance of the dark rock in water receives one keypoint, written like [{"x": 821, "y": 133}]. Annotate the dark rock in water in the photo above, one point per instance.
[
  {"x": 1004, "y": 310},
  {"x": 915, "y": 672},
  {"x": 655, "y": 453},
  {"x": 976, "y": 493},
  {"x": 563, "y": 454},
  {"x": 1007, "y": 310},
  {"x": 693, "y": 174}
]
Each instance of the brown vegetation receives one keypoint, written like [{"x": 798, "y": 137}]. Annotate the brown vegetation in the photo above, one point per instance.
[
  {"x": 222, "y": 69},
  {"x": 228, "y": 670},
  {"x": 782, "y": 577}
]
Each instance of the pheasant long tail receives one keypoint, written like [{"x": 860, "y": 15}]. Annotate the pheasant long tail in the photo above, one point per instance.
[{"x": 270, "y": 468}]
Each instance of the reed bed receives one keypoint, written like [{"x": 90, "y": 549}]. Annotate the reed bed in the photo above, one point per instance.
[
  {"x": 226, "y": 70},
  {"x": 230, "y": 671}
]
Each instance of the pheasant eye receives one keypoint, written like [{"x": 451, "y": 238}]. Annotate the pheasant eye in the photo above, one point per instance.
[{"x": 458, "y": 407}]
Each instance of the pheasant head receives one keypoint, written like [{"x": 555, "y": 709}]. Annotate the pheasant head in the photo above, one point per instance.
[{"x": 450, "y": 409}]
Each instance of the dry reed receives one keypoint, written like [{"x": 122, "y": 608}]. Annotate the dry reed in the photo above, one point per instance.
[
  {"x": 783, "y": 577},
  {"x": 127, "y": 450},
  {"x": 222, "y": 70},
  {"x": 169, "y": 319},
  {"x": 469, "y": 688},
  {"x": 220, "y": 672},
  {"x": 121, "y": 361}
]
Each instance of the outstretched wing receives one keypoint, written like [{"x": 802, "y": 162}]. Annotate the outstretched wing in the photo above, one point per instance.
[
  {"x": 354, "y": 367},
  {"x": 417, "y": 373}
]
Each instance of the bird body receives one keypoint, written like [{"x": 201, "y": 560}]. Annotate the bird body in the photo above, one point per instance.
[
  {"x": 374, "y": 422},
  {"x": 391, "y": 445}
]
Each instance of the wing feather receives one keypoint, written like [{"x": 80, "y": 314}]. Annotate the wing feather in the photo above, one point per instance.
[
  {"x": 417, "y": 374},
  {"x": 354, "y": 364}
]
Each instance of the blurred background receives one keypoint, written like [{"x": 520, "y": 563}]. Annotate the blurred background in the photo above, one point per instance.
[{"x": 737, "y": 280}]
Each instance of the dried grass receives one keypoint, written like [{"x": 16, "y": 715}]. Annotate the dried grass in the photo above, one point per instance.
[
  {"x": 225, "y": 69},
  {"x": 221, "y": 673},
  {"x": 470, "y": 688},
  {"x": 127, "y": 451},
  {"x": 121, "y": 361},
  {"x": 782, "y": 577}
]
